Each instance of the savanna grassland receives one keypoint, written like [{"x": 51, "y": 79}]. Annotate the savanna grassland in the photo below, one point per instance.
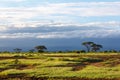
[{"x": 59, "y": 66}]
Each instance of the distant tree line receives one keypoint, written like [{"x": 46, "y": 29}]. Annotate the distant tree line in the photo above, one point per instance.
[
  {"x": 90, "y": 47},
  {"x": 40, "y": 49}
]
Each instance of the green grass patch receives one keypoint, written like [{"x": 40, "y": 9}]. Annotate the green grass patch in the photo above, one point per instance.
[{"x": 52, "y": 66}]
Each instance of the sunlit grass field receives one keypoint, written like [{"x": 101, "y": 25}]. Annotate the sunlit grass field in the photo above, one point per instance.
[{"x": 59, "y": 66}]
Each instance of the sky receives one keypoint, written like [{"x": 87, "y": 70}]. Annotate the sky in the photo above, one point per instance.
[{"x": 59, "y": 24}]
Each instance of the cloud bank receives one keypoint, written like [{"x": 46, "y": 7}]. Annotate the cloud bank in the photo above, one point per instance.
[
  {"x": 61, "y": 30},
  {"x": 59, "y": 11},
  {"x": 59, "y": 20}
]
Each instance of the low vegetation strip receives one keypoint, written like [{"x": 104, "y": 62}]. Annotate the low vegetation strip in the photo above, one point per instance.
[
  {"x": 22, "y": 66},
  {"x": 52, "y": 78}
]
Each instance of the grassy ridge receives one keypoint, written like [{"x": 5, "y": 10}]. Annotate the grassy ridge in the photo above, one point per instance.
[{"x": 60, "y": 66}]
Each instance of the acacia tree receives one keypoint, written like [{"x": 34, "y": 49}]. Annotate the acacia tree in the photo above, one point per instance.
[
  {"x": 96, "y": 47},
  {"x": 40, "y": 48},
  {"x": 88, "y": 45},
  {"x": 91, "y": 46}
]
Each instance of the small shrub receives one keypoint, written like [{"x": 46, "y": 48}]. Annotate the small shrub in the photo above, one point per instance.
[
  {"x": 77, "y": 51},
  {"x": 82, "y": 51},
  {"x": 50, "y": 59}
]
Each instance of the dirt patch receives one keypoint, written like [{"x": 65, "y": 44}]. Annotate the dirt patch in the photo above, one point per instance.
[
  {"x": 20, "y": 67},
  {"x": 16, "y": 75},
  {"x": 23, "y": 66},
  {"x": 21, "y": 57},
  {"x": 5, "y": 57},
  {"x": 75, "y": 67},
  {"x": 2, "y": 69},
  {"x": 97, "y": 64}
]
